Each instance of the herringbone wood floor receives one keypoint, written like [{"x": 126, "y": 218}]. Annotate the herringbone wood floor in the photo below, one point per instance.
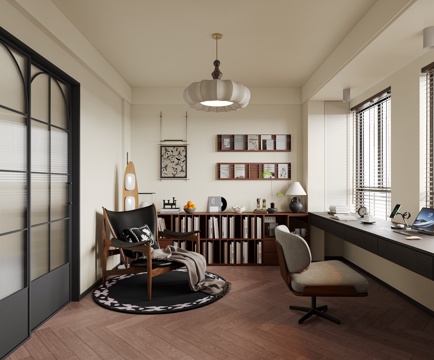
[{"x": 251, "y": 322}]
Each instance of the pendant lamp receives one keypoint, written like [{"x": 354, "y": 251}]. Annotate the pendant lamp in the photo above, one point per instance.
[{"x": 217, "y": 95}]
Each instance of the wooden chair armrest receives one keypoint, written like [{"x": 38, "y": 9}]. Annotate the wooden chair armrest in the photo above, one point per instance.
[
  {"x": 170, "y": 233},
  {"x": 130, "y": 246}
]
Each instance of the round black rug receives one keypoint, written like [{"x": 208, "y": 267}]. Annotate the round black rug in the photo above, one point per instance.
[{"x": 170, "y": 293}]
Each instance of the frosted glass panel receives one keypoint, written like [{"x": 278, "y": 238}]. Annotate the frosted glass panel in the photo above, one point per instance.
[
  {"x": 59, "y": 151},
  {"x": 13, "y": 145},
  {"x": 59, "y": 197},
  {"x": 59, "y": 244},
  {"x": 12, "y": 92},
  {"x": 40, "y": 147},
  {"x": 12, "y": 264},
  {"x": 40, "y": 96},
  {"x": 59, "y": 114},
  {"x": 13, "y": 195},
  {"x": 40, "y": 199},
  {"x": 39, "y": 251}
]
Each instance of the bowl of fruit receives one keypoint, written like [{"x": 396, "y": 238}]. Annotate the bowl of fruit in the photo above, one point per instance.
[{"x": 189, "y": 208}]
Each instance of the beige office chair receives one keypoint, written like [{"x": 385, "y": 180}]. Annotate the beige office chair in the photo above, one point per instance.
[{"x": 306, "y": 278}]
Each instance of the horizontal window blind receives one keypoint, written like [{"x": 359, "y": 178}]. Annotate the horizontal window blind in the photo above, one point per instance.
[{"x": 372, "y": 185}]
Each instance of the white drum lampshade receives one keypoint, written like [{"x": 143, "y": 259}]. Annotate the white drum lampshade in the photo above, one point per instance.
[{"x": 217, "y": 95}]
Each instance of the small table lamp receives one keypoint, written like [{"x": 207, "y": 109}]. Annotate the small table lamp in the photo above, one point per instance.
[{"x": 295, "y": 190}]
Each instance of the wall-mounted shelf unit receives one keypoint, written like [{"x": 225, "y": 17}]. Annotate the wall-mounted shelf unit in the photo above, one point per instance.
[
  {"x": 254, "y": 142},
  {"x": 228, "y": 238},
  {"x": 253, "y": 171}
]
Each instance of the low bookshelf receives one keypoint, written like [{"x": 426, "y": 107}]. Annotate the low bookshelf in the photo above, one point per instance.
[{"x": 229, "y": 238}]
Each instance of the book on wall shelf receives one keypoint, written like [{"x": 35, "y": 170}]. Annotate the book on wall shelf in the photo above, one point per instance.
[
  {"x": 267, "y": 142},
  {"x": 225, "y": 171},
  {"x": 269, "y": 171},
  {"x": 282, "y": 171},
  {"x": 226, "y": 142},
  {"x": 240, "y": 171},
  {"x": 239, "y": 143},
  {"x": 252, "y": 142},
  {"x": 281, "y": 142}
]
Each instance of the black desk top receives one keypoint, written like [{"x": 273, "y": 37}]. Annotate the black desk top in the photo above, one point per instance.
[{"x": 382, "y": 228}]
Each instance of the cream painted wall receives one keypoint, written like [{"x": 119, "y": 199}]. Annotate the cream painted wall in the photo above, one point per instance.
[
  {"x": 104, "y": 117},
  {"x": 258, "y": 118}
]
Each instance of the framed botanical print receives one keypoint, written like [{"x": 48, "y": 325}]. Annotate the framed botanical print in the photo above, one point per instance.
[{"x": 173, "y": 161}]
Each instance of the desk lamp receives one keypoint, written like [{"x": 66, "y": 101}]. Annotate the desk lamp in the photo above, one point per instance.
[{"x": 295, "y": 190}]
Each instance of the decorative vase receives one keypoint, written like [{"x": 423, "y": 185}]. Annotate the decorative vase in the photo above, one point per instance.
[
  {"x": 272, "y": 208},
  {"x": 295, "y": 205}
]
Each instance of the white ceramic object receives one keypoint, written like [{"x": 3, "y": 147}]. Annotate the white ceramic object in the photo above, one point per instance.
[{"x": 239, "y": 209}]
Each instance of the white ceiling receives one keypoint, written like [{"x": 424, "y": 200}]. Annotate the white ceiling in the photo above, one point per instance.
[{"x": 274, "y": 43}]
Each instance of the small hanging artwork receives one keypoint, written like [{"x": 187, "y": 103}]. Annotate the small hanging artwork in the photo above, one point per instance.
[{"x": 173, "y": 161}]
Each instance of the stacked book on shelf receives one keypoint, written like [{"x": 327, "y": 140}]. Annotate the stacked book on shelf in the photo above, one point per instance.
[{"x": 170, "y": 211}]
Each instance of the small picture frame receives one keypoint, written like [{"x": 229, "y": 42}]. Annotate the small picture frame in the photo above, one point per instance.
[{"x": 173, "y": 161}]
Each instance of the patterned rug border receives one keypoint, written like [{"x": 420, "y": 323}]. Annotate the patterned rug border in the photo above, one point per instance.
[{"x": 101, "y": 295}]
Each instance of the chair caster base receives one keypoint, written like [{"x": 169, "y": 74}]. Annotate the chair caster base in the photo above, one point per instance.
[{"x": 314, "y": 310}]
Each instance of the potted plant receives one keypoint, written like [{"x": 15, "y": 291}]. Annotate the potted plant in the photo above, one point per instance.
[{"x": 267, "y": 174}]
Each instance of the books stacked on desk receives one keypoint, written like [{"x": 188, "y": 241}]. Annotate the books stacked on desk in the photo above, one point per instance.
[
  {"x": 338, "y": 209},
  {"x": 341, "y": 212}
]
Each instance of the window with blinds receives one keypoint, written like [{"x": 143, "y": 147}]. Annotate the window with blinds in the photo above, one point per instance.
[
  {"x": 427, "y": 88},
  {"x": 372, "y": 185}
]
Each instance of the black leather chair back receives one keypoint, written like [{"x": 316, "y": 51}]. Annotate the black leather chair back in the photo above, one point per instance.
[{"x": 120, "y": 220}]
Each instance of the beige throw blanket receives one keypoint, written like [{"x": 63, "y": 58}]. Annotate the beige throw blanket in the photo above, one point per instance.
[{"x": 196, "y": 266}]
